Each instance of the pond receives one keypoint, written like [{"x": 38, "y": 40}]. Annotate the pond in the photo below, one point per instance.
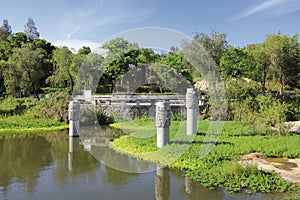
[{"x": 54, "y": 166}]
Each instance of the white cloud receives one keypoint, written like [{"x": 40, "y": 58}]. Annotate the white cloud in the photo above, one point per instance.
[
  {"x": 75, "y": 45},
  {"x": 272, "y": 7},
  {"x": 95, "y": 14}
]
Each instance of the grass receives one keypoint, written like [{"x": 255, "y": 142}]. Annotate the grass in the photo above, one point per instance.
[
  {"x": 19, "y": 123},
  {"x": 220, "y": 167},
  {"x": 16, "y": 116}
]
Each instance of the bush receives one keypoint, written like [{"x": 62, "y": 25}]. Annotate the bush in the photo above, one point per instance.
[
  {"x": 55, "y": 107},
  {"x": 263, "y": 115}
]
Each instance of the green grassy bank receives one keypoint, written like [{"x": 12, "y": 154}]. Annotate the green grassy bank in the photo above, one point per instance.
[
  {"x": 22, "y": 124},
  {"x": 220, "y": 167},
  {"x": 19, "y": 115}
]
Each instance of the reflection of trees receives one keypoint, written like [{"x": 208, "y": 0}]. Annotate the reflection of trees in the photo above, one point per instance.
[
  {"x": 116, "y": 178},
  {"x": 23, "y": 159},
  {"x": 82, "y": 161}
]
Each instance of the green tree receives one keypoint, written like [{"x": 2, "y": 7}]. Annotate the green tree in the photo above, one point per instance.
[
  {"x": 284, "y": 54},
  {"x": 84, "y": 50},
  {"x": 18, "y": 39},
  {"x": 235, "y": 63},
  {"x": 215, "y": 44},
  {"x": 120, "y": 56},
  {"x": 90, "y": 72},
  {"x": 5, "y": 30},
  {"x": 31, "y": 29},
  {"x": 261, "y": 62},
  {"x": 63, "y": 74},
  {"x": 25, "y": 71},
  {"x": 175, "y": 60}
]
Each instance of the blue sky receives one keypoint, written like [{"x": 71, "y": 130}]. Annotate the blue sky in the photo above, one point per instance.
[{"x": 82, "y": 22}]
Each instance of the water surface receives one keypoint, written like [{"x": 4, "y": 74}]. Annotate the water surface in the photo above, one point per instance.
[{"x": 54, "y": 166}]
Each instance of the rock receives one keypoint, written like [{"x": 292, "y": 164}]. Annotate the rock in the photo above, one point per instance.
[
  {"x": 293, "y": 127},
  {"x": 252, "y": 156},
  {"x": 202, "y": 86}
]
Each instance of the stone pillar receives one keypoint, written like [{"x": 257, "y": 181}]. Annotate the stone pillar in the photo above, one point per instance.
[
  {"x": 74, "y": 118},
  {"x": 152, "y": 102},
  {"x": 138, "y": 102},
  {"x": 191, "y": 110},
  {"x": 163, "y": 121}
]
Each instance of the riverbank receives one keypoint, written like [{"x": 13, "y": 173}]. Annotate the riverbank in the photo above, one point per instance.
[
  {"x": 22, "y": 124},
  {"x": 220, "y": 168}
]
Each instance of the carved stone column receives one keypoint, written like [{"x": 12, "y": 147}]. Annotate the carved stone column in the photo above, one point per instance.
[
  {"x": 163, "y": 121},
  {"x": 74, "y": 117},
  {"x": 191, "y": 110}
]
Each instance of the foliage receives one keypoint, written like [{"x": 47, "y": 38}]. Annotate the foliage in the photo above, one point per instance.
[
  {"x": 262, "y": 63},
  {"x": 89, "y": 73},
  {"x": 31, "y": 29},
  {"x": 293, "y": 108},
  {"x": 284, "y": 54},
  {"x": 235, "y": 63},
  {"x": 215, "y": 44},
  {"x": 90, "y": 115},
  {"x": 175, "y": 61},
  {"x": 219, "y": 168},
  {"x": 63, "y": 75},
  {"x": 238, "y": 89},
  {"x": 25, "y": 70},
  {"x": 262, "y": 115},
  {"x": 13, "y": 106},
  {"x": 54, "y": 107}
]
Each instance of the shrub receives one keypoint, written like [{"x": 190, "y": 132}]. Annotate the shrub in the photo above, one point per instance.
[{"x": 55, "y": 107}]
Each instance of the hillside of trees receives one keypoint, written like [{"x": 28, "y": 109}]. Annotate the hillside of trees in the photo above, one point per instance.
[
  {"x": 28, "y": 63},
  {"x": 261, "y": 80}
]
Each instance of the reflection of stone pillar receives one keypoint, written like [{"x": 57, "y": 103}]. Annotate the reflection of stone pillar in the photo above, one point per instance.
[
  {"x": 74, "y": 117},
  {"x": 191, "y": 110},
  {"x": 73, "y": 150},
  {"x": 188, "y": 185},
  {"x": 163, "y": 121},
  {"x": 162, "y": 184}
]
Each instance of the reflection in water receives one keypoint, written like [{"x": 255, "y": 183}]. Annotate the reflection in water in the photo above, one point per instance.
[
  {"x": 73, "y": 151},
  {"x": 96, "y": 141},
  {"x": 54, "y": 166},
  {"x": 162, "y": 184},
  {"x": 22, "y": 160}
]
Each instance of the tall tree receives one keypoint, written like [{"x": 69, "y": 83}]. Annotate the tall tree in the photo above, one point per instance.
[
  {"x": 175, "y": 60},
  {"x": 284, "y": 55},
  {"x": 25, "y": 69},
  {"x": 5, "y": 30},
  {"x": 235, "y": 63},
  {"x": 261, "y": 62},
  {"x": 31, "y": 29},
  {"x": 89, "y": 73},
  {"x": 215, "y": 44},
  {"x": 120, "y": 55},
  {"x": 63, "y": 74}
]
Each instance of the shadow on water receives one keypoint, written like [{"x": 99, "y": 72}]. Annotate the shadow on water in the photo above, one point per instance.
[{"x": 54, "y": 166}]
